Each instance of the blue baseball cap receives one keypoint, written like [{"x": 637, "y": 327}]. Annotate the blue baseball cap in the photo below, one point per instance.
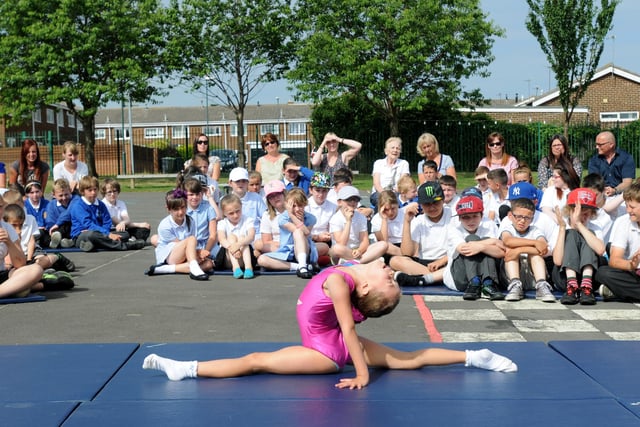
[{"x": 523, "y": 190}]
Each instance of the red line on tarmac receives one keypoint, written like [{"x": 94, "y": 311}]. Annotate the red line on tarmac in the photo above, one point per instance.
[{"x": 427, "y": 318}]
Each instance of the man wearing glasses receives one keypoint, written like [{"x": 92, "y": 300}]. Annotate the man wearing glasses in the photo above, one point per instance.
[{"x": 616, "y": 166}]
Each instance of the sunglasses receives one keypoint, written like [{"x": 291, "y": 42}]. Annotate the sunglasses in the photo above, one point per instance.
[
  {"x": 494, "y": 144},
  {"x": 269, "y": 143},
  {"x": 203, "y": 142}
]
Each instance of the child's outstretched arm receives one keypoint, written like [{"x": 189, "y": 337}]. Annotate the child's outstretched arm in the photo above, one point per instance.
[{"x": 339, "y": 293}]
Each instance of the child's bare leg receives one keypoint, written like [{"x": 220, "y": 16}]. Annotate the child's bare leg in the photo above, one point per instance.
[
  {"x": 46, "y": 261},
  {"x": 407, "y": 265},
  {"x": 20, "y": 281},
  {"x": 289, "y": 360},
  {"x": 512, "y": 268},
  {"x": 273, "y": 264},
  {"x": 338, "y": 251},
  {"x": 378, "y": 355},
  {"x": 538, "y": 267},
  {"x": 185, "y": 251},
  {"x": 301, "y": 247},
  {"x": 322, "y": 248},
  {"x": 374, "y": 251}
]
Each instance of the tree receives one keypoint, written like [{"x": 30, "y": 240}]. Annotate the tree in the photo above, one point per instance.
[
  {"x": 85, "y": 53},
  {"x": 571, "y": 33},
  {"x": 232, "y": 47},
  {"x": 396, "y": 54}
]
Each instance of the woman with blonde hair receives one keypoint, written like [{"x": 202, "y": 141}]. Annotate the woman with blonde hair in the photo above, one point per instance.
[{"x": 428, "y": 148}]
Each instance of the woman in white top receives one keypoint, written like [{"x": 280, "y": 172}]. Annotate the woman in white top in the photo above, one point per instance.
[
  {"x": 70, "y": 168},
  {"x": 563, "y": 182},
  {"x": 388, "y": 171}
]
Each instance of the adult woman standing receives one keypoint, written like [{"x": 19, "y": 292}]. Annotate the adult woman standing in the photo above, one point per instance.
[
  {"x": 558, "y": 154},
  {"x": 29, "y": 167},
  {"x": 496, "y": 157},
  {"x": 271, "y": 164},
  {"x": 388, "y": 171},
  {"x": 429, "y": 149},
  {"x": 333, "y": 160},
  {"x": 201, "y": 145}
]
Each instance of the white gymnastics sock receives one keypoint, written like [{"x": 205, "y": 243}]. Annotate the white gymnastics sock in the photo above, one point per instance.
[
  {"x": 293, "y": 266},
  {"x": 302, "y": 259},
  {"x": 486, "y": 359},
  {"x": 194, "y": 268},
  {"x": 165, "y": 269},
  {"x": 175, "y": 370}
]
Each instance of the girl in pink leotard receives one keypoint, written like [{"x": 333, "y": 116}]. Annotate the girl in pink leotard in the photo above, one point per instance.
[{"x": 328, "y": 309}]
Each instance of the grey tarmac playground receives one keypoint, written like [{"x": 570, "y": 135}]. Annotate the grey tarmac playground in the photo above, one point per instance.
[{"x": 115, "y": 302}]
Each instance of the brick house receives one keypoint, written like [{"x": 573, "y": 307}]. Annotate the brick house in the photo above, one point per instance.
[{"x": 612, "y": 97}]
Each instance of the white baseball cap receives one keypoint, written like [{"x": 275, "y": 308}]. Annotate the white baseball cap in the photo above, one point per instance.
[
  {"x": 239, "y": 174},
  {"x": 348, "y": 192}
]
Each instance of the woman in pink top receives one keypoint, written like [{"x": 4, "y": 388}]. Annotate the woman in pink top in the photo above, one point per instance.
[
  {"x": 328, "y": 309},
  {"x": 496, "y": 156}
]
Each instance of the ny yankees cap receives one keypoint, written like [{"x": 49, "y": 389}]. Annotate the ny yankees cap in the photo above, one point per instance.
[{"x": 523, "y": 190}]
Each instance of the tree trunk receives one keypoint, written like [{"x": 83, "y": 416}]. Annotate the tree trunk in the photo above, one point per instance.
[{"x": 88, "y": 123}]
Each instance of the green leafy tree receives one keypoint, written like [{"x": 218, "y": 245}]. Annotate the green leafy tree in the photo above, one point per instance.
[
  {"x": 571, "y": 33},
  {"x": 395, "y": 54},
  {"x": 231, "y": 48},
  {"x": 85, "y": 53}
]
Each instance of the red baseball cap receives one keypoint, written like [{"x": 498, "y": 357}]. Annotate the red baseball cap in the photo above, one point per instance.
[{"x": 585, "y": 196}]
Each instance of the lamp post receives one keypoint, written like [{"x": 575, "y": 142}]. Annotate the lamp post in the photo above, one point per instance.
[{"x": 206, "y": 107}]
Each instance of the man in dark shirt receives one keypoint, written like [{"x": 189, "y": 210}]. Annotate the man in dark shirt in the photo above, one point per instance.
[{"x": 616, "y": 166}]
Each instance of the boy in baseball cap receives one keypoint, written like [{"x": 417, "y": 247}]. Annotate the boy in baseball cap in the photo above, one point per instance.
[
  {"x": 473, "y": 249},
  {"x": 424, "y": 239}
]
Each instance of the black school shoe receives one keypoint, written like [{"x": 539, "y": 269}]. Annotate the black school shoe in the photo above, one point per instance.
[
  {"x": 586, "y": 296},
  {"x": 473, "y": 291},
  {"x": 490, "y": 290},
  {"x": 405, "y": 279},
  {"x": 63, "y": 264},
  {"x": 201, "y": 277},
  {"x": 571, "y": 296}
]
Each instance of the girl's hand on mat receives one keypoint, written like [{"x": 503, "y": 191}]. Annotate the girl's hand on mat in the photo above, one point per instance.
[{"x": 353, "y": 383}]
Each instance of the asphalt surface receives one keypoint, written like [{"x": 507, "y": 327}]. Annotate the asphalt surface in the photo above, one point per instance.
[{"x": 114, "y": 301}]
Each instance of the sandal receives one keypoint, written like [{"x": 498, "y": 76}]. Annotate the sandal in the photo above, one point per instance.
[{"x": 304, "y": 273}]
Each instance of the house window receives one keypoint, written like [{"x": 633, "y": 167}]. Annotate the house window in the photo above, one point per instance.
[
  {"x": 211, "y": 130},
  {"x": 179, "y": 132},
  {"x": 119, "y": 133},
  {"x": 622, "y": 116},
  {"x": 269, "y": 128},
  {"x": 297, "y": 128},
  {"x": 234, "y": 130},
  {"x": 37, "y": 116},
  {"x": 101, "y": 134},
  {"x": 71, "y": 119},
  {"x": 153, "y": 133},
  {"x": 60, "y": 118},
  {"x": 51, "y": 116}
]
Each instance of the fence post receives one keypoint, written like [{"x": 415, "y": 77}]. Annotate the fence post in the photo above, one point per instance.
[{"x": 50, "y": 148}]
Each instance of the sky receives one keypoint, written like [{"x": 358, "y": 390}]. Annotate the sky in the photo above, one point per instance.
[{"x": 519, "y": 67}]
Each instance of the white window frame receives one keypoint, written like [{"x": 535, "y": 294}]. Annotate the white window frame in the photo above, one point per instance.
[
  {"x": 116, "y": 133},
  {"x": 297, "y": 128},
  {"x": 212, "y": 130},
  {"x": 273, "y": 128},
  {"x": 619, "y": 116},
  {"x": 37, "y": 115},
  {"x": 153, "y": 133},
  {"x": 179, "y": 132},
  {"x": 71, "y": 119},
  {"x": 60, "y": 118},
  {"x": 234, "y": 129},
  {"x": 100, "y": 134},
  {"x": 51, "y": 116}
]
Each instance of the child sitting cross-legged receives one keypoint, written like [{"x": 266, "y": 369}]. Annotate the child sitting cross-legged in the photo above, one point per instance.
[
  {"x": 57, "y": 219},
  {"x": 296, "y": 251},
  {"x": 386, "y": 225},
  {"x": 269, "y": 239},
  {"x": 236, "y": 232},
  {"x": 473, "y": 251}
]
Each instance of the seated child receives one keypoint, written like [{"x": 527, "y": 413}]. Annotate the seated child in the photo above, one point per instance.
[
  {"x": 91, "y": 222},
  {"x": 578, "y": 249},
  {"x": 296, "y": 251},
  {"x": 205, "y": 219},
  {"x": 121, "y": 223},
  {"x": 253, "y": 206},
  {"x": 621, "y": 278},
  {"x": 17, "y": 279},
  {"x": 15, "y": 216},
  {"x": 176, "y": 249},
  {"x": 498, "y": 181},
  {"x": 429, "y": 171},
  {"x": 236, "y": 233},
  {"x": 57, "y": 219},
  {"x": 521, "y": 237},
  {"x": 255, "y": 183},
  {"x": 424, "y": 239},
  {"x": 296, "y": 175},
  {"x": 322, "y": 209},
  {"x": 473, "y": 251},
  {"x": 269, "y": 240},
  {"x": 386, "y": 225},
  {"x": 349, "y": 235},
  {"x": 407, "y": 191},
  {"x": 449, "y": 188},
  {"x": 341, "y": 178},
  {"x": 332, "y": 302},
  {"x": 29, "y": 226},
  {"x": 36, "y": 205}
]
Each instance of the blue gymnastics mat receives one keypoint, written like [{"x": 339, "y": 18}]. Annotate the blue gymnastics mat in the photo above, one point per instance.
[
  {"x": 28, "y": 298},
  {"x": 340, "y": 412},
  {"x": 30, "y": 414},
  {"x": 613, "y": 364},
  {"x": 543, "y": 374},
  {"x": 58, "y": 372}
]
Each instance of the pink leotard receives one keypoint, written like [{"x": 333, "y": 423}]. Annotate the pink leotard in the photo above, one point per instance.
[{"x": 319, "y": 327}]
